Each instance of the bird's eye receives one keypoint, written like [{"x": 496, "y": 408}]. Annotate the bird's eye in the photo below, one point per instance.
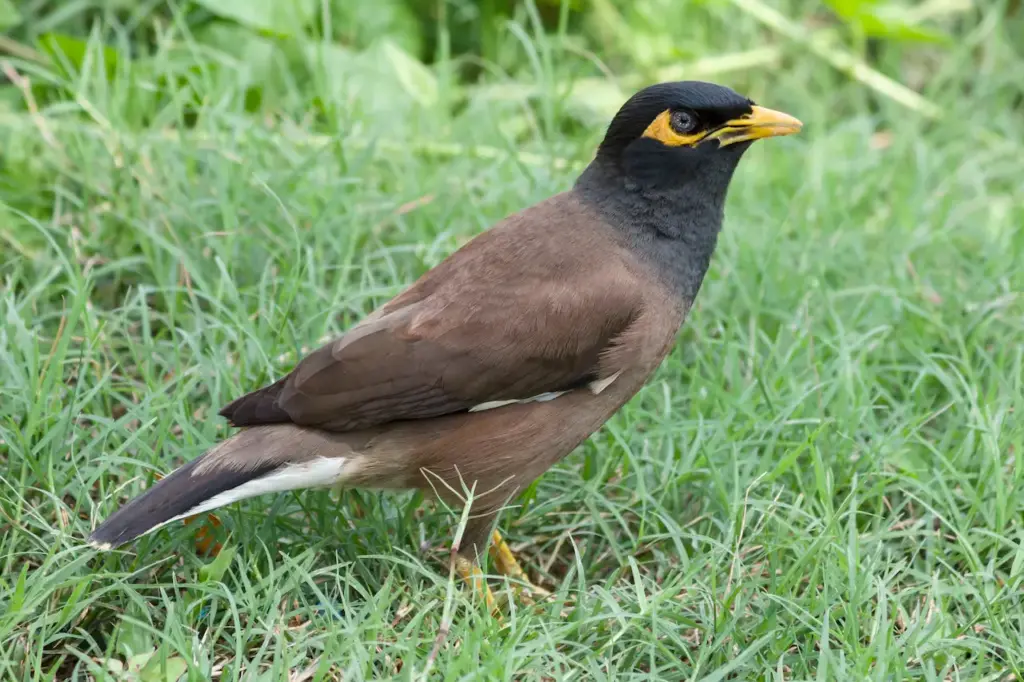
[{"x": 683, "y": 122}]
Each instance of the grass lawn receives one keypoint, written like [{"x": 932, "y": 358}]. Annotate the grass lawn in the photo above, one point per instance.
[{"x": 821, "y": 482}]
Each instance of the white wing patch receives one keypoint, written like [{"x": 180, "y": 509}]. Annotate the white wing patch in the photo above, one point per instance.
[
  {"x": 596, "y": 387},
  {"x": 493, "y": 404}
]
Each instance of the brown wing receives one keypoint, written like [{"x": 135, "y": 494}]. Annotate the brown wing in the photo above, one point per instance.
[{"x": 524, "y": 309}]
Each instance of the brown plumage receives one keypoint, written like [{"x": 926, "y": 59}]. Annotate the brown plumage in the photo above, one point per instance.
[
  {"x": 457, "y": 337},
  {"x": 507, "y": 355}
]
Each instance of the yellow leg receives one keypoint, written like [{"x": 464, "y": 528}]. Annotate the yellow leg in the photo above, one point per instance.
[
  {"x": 505, "y": 563},
  {"x": 474, "y": 577}
]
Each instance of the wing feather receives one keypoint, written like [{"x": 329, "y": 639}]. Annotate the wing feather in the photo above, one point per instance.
[{"x": 520, "y": 311}]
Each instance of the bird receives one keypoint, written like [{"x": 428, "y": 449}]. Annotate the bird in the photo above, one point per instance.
[{"x": 509, "y": 353}]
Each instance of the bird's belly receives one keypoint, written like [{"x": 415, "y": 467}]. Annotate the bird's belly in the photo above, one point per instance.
[{"x": 495, "y": 453}]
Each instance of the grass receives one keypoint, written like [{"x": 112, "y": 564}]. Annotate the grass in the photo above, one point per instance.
[{"x": 821, "y": 482}]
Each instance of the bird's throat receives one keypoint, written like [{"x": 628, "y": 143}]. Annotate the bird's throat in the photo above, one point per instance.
[{"x": 675, "y": 229}]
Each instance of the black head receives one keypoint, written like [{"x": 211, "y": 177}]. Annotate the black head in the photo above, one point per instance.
[
  {"x": 662, "y": 172},
  {"x": 669, "y": 131}
]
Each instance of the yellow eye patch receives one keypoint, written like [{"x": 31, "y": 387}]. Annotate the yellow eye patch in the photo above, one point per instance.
[
  {"x": 758, "y": 123},
  {"x": 661, "y": 130}
]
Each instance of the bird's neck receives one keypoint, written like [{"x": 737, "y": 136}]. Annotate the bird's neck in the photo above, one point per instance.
[{"x": 674, "y": 228}]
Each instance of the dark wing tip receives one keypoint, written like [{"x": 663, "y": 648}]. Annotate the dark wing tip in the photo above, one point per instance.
[{"x": 258, "y": 407}]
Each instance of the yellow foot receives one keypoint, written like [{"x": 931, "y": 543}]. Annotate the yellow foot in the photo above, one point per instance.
[
  {"x": 474, "y": 577},
  {"x": 505, "y": 563}
]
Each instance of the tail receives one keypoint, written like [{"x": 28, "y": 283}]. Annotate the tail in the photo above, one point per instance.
[{"x": 255, "y": 461}]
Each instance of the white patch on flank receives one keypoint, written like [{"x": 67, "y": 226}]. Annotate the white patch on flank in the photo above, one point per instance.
[
  {"x": 318, "y": 473},
  {"x": 597, "y": 386},
  {"x": 493, "y": 404}
]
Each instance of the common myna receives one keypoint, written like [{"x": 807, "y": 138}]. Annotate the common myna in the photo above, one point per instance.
[{"x": 502, "y": 359}]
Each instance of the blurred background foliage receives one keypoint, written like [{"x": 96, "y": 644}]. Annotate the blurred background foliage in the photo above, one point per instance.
[
  {"x": 388, "y": 47},
  {"x": 411, "y": 73}
]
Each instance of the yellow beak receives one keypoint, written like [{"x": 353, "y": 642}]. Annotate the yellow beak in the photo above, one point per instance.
[{"x": 759, "y": 123}]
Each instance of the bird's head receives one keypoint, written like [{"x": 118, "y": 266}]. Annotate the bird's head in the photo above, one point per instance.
[
  {"x": 671, "y": 132},
  {"x": 662, "y": 173}
]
